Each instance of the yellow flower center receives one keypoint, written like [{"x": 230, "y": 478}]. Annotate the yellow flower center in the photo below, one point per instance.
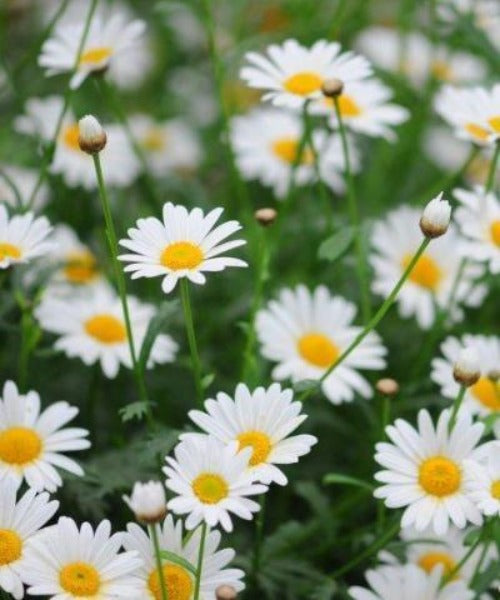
[
  {"x": 318, "y": 350},
  {"x": 80, "y": 267},
  {"x": 303, "y": 83},
  {"x": 19, "y": 446},
  {"x": 178, "y": 581},
  {"x": 9, "y": 251},
  {"x": 477, "y": 131},
  {"x": 495, "y": 492},
  {"x": 494, "y": 123},
  {"x": 487, "y": 393},
  {"x": 495, "y": 232},
  {"x": 439, "y": 476},
  {"x": 181, "y": 255},
  {"x": 348, "y": 106},
  {"x": 428, "y": 561},
  {"x": 107, "y": 329},
  {"x": 11, "y": 546},
  {"x": 95, "y": 56},
  {"x": 259, "y": 442},
  {"x": 154, "y": 140},
  {"x": 441, "y": 70},
  {"x": 425, "y": 273},
  {"x": 286, "y": 149},
  {"x": 210, "y": 488},
  {"x": 70, "y": 136},
  {"x": 80, "y": 579}
]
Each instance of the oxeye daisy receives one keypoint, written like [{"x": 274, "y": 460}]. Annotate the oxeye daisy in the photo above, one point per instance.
[
  {"x": 483, "y": 481},
  {"x": 184, "y": 244},
  {"x": 66, "y": 562},
  {"x": 17, "y": 185},
  {"x": 425, "y": 471},
  {"x": 19, "y": 522},
  {"x": 409, "y": 582},
  {"x": 262, "y": 420},
  {"x": 22, "y": 238},
  {"x": 266, "y": 142},
  {"x": 485, "y": 15},
  {"x": 119, "y": 162},
  {"x": 305, "y": 332},
  {"x": 179, "y": 581},
  {"x": 211, "y": 480},
  {"x": 431, "y": 282},
  {"x": 291, "y": 74},
  {"x": 93, "y": 328},
  {"x": 32, "y": 442}
]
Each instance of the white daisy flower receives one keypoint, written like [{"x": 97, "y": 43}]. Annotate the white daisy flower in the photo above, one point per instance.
[
  {"x": 485, "y": 15},
  {"x": 474, "y": 113},
  {"x": 184, "y": 244},
  {"x": 32, "y": 442},
  {"x": 179, "y": 581},
  {"x": 365, "y": 108},
  {"x": 119, "y": 163},
  {"x": 305, "y": 332},
  {"x": 425, "y": 471},
  {"x": 65, "y": 562},
  {"x": 482, "y": 398},
  {"x": 266, "y": 142},
  {"x": 293, "y": 74},
  {"x": 24, "y": 181},
  {"x": 93, "y": 328},
  {"x": 19, "y": 522},
  {"x": 478, "y": 218},
  {"x": 110, "y": 41},
  {"x": 211, "y": 480},
  {"x": 262, "y": 420},
  {"x": 22, "y": 238},
  {"x": 168, "y": 145},
  {"x": 408, "y": 582},
  {"x": 483, "y": 482},
  {"x": 395, "y": 240}
]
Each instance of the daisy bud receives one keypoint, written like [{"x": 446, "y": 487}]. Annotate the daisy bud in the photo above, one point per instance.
[
  {"x": 466, "y": 369},
  {"x": 225, "y": 592},
  {"x": 92, "y": 138},
  {"x": 436, "y": 217},
  {"x": 148, "y": 502},
  {"x": 265, "y": 216},
  {"x": 387, "y": 386},
  {"x": 332, "y": 88}
]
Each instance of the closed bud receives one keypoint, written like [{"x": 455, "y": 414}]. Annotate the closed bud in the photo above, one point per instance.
[
  {"x": 225, "y": 592},
  {"x": 332, "y": 88},
  {"x": 148, "y": 502},
  {"x": 92, "y": 137},
  {"x": 387, "y": 386},
  {"x": 265, "y": 216},
  {"x": 466, "y": 370},
  {"x": 436, "y": 217}
]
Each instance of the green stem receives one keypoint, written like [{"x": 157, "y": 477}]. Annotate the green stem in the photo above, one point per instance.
[
  {"x": 199, "y": 567},
  {"x": 385, "y": 414},
  {"x": 161, "y": 575},
  {"x": 374, "y": 321},
  {"x": 259, "y": 536},
  {"x": 11, "y": 184},
  {"x": 193, "y": 346},
  {"x": 24, "y": 354},
  {"x": 480, "y": 563},
  {"x": 456, "y": 407},
  {"x": 465, "y": 558},
  {"x": 493, "y": 167},
  {"x": 355, "y": 222}
]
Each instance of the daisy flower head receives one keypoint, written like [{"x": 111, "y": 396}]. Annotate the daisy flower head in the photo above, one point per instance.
[
  {"x": 17, "y": 185},
  {"x": 395, "y": 241},
  {"x": 92, "y": 328},
  {"x": 179, "y": 581},
  {"x": 306, "y": 332},
  {"x": 119, "y": 163},
  {"x": 184, "y": 244},
  {"x": 66, "y": 562},
  {"x": 478, "y": 218},
  {"x": 22, "y": 238},
  {"x": 292, "y": 74},
  {"x": 483, "y": 481},
  {"x": 211, "y": 480},
  {"x": 409, "y": 582},
  {"x": 32, "y": 442},
  {"x": 266, "y": 142},
  {"x": 424, "y": 471},
  {"x": 261, "y": 420},
  {"x": 20, "y": 520}
]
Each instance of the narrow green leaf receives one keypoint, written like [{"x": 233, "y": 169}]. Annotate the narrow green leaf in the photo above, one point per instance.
[
  {"x": 171, "y": 557},
  {"x": 305, "y": 385},
  {"x": 156, "y": 326},
  {"x": 339, "y": 479},
  {"x": 336, "y": 245},
  {"x": 207, "y": 380}
]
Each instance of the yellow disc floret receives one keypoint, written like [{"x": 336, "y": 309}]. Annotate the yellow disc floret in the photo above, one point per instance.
[
  {"x": 80, "y": 579},
  {"x": 318, "y": 350},
  {"x": 426, "y": 272},
  {"x": 439, "y": 476},
  {"x": 107, "y": 329},
  {"x": 181, "y": 255},
  {"x": 19, "y": 446},
  {"x": 260, "y": 444},
  {"x": 178, "y": 581},
  {"x": 303, "y": 83},
  {"x": 210, "y": 488},
  {"x": 11, "y": 546}
]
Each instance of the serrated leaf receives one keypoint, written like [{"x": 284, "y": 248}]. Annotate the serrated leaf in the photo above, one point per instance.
[
  {"x": 340, "y": 479},
  {"x": 156, "y": 326},
  {"x": 336, "y": 245},
  {"x": 305, "y": 385},
  {"x": 170, "y": 556},
  {"x": 134, "y": 410}
]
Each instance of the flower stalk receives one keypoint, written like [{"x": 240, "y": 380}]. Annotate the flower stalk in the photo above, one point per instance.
[
  {"x": 161, "y": 575},
  {"x": 199, "y": 566},
  {"x": 193, "y": 346}
]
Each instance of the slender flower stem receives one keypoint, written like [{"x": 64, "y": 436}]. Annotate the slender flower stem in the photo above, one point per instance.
[
  {"x": 456, "y": 407},
  {"x": 354, "y": 216},
  {"x": 374, "y": 321},
  {"x": 385, "y": 414},
  {"x": 259, "y": 536},
  {"x": 193, "y": 347},
  {"x": 490, "y": 181},
  {"x": 121, "y": 284},
  {"x": 199, "y": 567},
  {"x": 11, "y": 184},
  {"x": 161, "y": 575},
  {"x": 464, "y": 559}
]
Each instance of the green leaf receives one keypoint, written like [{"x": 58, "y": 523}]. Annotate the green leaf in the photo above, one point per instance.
[
  {"x": 134, "y": 410},
  {"x": 336, "y": 245},
  {"x": 339, "y": 479},
  {"x": 178, "y": 560},
  {"x": 156, "y": 326}
]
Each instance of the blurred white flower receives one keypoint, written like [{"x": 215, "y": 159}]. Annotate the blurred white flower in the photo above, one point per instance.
[
  {"x": 483, "y": 482},
  {"x": 23, "y": 180}
]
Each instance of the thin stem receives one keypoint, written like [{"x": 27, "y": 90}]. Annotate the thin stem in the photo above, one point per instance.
[
  {"x": 385, "y": 414},
  {"x": 374, "y": 321},
  {"x": 464, "y": 559},
  {"x": 493, "y": 167},
  {"x": 161, "y": 575},
  {"x": 355, "y": 222},
  {"x": 193, "y": 347},
  {"x": 259, "y": 536},
  {"x": 10, "y": 182},
  {"x": 199, "y": 567},
  {"x": 456, "y": 407}
]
